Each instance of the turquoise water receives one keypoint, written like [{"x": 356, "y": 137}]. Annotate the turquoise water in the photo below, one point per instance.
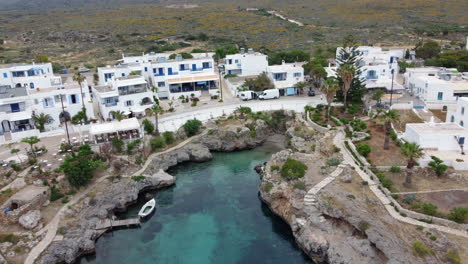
[{"x": 212, "y": 215}]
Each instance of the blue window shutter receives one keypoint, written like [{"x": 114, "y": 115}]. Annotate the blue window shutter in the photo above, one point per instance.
[
  {"x": 78, "y": 98},
  {"x": 69, "y": 99},
  {"x": 146, "y": 69},
  {"x": 5, "y": 75}
]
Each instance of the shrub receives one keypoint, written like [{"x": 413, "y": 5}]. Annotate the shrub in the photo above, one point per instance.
[
  {"x": 429, "y": 209},
  {"x": 169, "y": 137},
  {"x": 420, "y": 248},
  {"x": 433, "y": 238},
  {"x": 55, "y": 194},
  {"x": 79, "y": 168},
  {"x": 191, "y": 127},
  {"x": 336, "y": 149},
  {"x": 395, "y": 196},
  {"x": 117, "y": 143},
  {"x": 11, "y": 238},
  {"x": 386, "y": 182},
  {"x": 138, "y": 178},
  {"x": 364, "y": 150},
  {"x": 157, "y": 143},
  {"x": 365, "y": 183},
  {"x": 403, "y": 214},
  {"x": 409, "y": 199},
  {"x": 65, "y": 200},
  {"x": 363, "y": 226},
  {"x": 395, "y": 169},
  {"x": 267, "y": 187},
  {"x": 293, "y": 169},
  {"x": 459, "y": 215},
  {"x": 438, "y": 165},
  {"x": 333, "y": 162},
  {"x": 299, "y": 185},
  {"x": 131, "y": 146},
  {"x": 148, "y": 126},
  {"x": 453, "y": 257},
  {"x": 275, "y": 168}
]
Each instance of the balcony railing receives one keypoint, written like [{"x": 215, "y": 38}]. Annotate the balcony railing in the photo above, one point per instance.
[{"x": 111, "y": 104}]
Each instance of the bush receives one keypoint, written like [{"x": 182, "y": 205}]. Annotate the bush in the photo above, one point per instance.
[
  {"x": 333, "y": 162},
  {"x": 293, "y": 169},
  {"x": 11, "y": 238},
  {"x": 395, "y": 169},
  {"x": 429, "y": 209},
  {"x": 132, "y": 145},
  {"x": 55, "y": 194},
  {"x": 438, "y": 165},
  {"x": 363, "y": 226},
  {"x": 409, "y": 199},
  {"x": 420, "y": 248},
  {"x": 267, "y": 187},
  {"x": 148, "y": 126},
  {"x": 79, "y": 168},
  {"x": 274, "y": 168},
  {"x": 157, "y": 143},
  {"x": 299, "y": 185},
  {"x": 364, "y": 150},
  {"x": 459, "y": 215},
  {"x": 386, "y": 182},
  {"x": 169, "y": 137},
  {"x": 117, "y": 143},
  {"x": 395, "y": 196},
  {"x": 138, "y": 178},
  {"x": 191, "y": 127},
  {"x": 453, "y": 257}
]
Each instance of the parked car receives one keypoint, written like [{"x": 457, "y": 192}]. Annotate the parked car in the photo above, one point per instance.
[
  {"x": 81, "y": 70},
  {"x": 269, "y": 94},
  {"x": 248, "y": 95},
  {"x": 311, "y": 93}
]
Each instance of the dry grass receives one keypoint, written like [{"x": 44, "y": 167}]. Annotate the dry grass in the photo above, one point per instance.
[
  {"x": 442, "y": 116},
  {"x": 406, "y": 116}
]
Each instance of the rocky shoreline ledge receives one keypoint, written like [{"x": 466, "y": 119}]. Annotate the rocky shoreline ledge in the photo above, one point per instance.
[{"x": 80, "y": 236}]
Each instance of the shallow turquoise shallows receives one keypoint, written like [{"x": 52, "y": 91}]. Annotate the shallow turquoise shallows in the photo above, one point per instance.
[{"x": 212, "y": 215}]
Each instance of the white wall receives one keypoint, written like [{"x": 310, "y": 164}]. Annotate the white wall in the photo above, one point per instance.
[{"x": 248, "y": 64}]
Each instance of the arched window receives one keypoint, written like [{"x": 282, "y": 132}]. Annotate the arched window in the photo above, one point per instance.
[
  {"x": 31, "y": 85},
  {"x": 452, "y": 119},
  {"x": 461, "y": 123}
]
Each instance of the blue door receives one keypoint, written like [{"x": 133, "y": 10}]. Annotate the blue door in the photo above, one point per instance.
[
  {"x": 161, "y": 71},
  {"x": 169, "y": 71},
  {"x": 194, "y": 67},
  {"x": 15, "y": 107}
]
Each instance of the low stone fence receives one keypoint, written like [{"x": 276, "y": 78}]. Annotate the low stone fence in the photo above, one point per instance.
[{"x": 315, "y": 126}]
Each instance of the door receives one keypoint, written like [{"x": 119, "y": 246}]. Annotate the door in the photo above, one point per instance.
[
  {"x": 194, "y": 67},
  {"x": 169, "y": 71},
  {"x": 6, "y": 126},
  {"x": 15, "y": 107}
]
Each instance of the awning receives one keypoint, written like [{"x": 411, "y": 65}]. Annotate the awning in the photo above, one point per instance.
[
  {"x": 115, "y": 126},
  {"x": 193, "y": 79},
  {"x": 19, "y": 116}
]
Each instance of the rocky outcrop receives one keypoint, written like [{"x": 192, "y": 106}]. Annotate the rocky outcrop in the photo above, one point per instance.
[
  {"x": 79, "y": 240},
  {"x": 2, "y": 260},
  {"x": 31, "y": 219}
]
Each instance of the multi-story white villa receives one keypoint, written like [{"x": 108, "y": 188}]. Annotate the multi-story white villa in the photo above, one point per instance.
[
  {"x": 248, "y": 63},
  {"x": 172, "y": 76},
  {"x": 130, "y": 95},
  {"x": 376, "y": 67},
  {"x": 286, "y": 76},
  {"x": 31, "y": 89},
  {"x": 458, "y": 113},
  {"x": 438, "y": 88}
]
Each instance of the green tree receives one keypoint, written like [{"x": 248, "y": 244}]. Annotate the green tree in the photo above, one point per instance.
[
  {"x": 377, "y": 95},
  {"x": 16, "y": 151},
  {"x": 156, "y": 109},
  {"x": 438, "y": 166},
  {"x": 389, "y": 117},
  {"x": 80, "y": 79},
  {"x": 329, "y": 89},
  {"x": 288, "y": 56},
  {"x": 79, "y": 168},
  {"x": 411, "y": 151},
  {"x": 80, "y": 117},
  {"x": 95, "y": 78},
  {"x": 41, "y": 58},
  {"x": 40, "y": 120},
  {"x": 346, "y": 73},
  {"x": 221, "y": 53},
  {"x": 31, "y": 141},
  {"x": 316, "y": 72},
  {"x": 427, "y": 49},
  {"x": 157, "y": 142},
  {"x": 169, "y": 137},
  {"x": 261, "y": 83},
  {"x": 459, "y": 215},
  {"x": 148, "y": 126},
  {"x": 364, "y": 150},
  {"x": 191, "y": 127},
  {"x": 293, "y": 169},
  {"x": 119, "y": 115}
]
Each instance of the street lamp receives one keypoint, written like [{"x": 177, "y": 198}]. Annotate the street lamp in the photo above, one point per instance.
[{"x": 391, "y": 89}]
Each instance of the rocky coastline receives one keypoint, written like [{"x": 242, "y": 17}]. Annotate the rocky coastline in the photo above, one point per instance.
[{"x": 79, "y": 238}]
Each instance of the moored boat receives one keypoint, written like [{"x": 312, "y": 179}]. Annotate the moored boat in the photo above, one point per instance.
[{"x": 147, "y": 209}]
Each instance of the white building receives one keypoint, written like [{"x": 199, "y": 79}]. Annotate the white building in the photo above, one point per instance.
[
  {"x": 438, "y": 88},
  {"x": 248, "y": 63},
  {"x": 130, "y": 95},
  {"x": 376, "y": 67},
  {"x": 459, "y": 113},
  {"x": 436, "y": 136},
  {"x": 172, "y": 76},
  {"x": 286, "y": 76},
  {"x": 31, "y": 89}
]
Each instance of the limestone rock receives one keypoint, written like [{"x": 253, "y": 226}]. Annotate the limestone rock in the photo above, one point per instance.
[
  {"x": 18, "y": 183},
  {"x": 2, "y": 260},
  {"x": 31, "y": 219}
]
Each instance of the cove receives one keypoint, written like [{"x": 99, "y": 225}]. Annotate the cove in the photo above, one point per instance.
[{"x": 212, "y": 215}]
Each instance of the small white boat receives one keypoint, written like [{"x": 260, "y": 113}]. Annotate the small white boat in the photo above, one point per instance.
[{"x": 147, "y": 209}]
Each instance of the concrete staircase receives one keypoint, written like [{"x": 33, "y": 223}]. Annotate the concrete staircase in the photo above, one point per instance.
[{"x": 310, "y": 198}]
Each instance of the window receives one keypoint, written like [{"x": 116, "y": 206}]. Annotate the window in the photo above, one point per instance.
[
  {"x": 36, "y": 101},
  {"x": 31, "y": 85},
  {"x": 57, "y": 98},
  {"x": 129, "y": 103},
  {"x": 18, "y": 74},
  {"x": 461, "y": 123},
  {"x": 48, "y": 102},
  {"x": 236, "y": 61},
  {"x": 230, "y": 61},
  {"x": 146, "y": 69},
  {"x": 161, "y": 84},
  {"x": 123, "y": 74},
  {"x": 107, "y": 76},
  {"x": 5, "y": 75},
  {"x": 73, "y": 99},
  {"x": 440, "y": 95},
  {"x": 206, "y": 65},
  {"x": 183, "y": 67},
  {"x": 297, "y": 74},
  {"x": 452, "y": 119},
  {"x": 463, "y": 110}
]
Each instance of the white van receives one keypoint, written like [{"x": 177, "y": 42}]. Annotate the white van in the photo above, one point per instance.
[
  {"x": 247, "y": 95},
  {"x": 269, "y": 94}
]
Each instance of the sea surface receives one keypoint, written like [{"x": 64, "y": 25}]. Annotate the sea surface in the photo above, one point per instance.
[{"x": 212, "y": 215}]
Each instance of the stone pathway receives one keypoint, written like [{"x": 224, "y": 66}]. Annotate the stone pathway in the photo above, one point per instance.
[{"x": 432, "y": 191}]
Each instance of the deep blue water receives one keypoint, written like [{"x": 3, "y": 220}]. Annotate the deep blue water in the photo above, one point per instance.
[{"x": 212, "y": 215}]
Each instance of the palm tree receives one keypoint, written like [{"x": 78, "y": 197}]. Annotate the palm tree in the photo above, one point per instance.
[
  {"x": 411, "y": 151},
  {"x": 389, "y": 117},
  {"x": 31, "y": 141},
  {"x": 80, "y": 78},
  {"x": 156, "y": 110},
  {"x": 16, "y": 151},
  {"x": 119, "y": 115},
  {"x": 329, "y": 89},
  {"x": 346, "y": 72},
  {"x": 41, "y": 120}
]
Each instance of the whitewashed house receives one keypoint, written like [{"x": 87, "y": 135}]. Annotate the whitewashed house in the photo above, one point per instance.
[
  {"x": 438, "y": 88},
  {"x": 459, "y": 113},
  {"x": 31, "y": 89},
  {"x": 172, "y": 76},
  {"x": 130, "y": 95},
  {"x": 248, "y": 63},
  {"x": 286, "y": 76}
]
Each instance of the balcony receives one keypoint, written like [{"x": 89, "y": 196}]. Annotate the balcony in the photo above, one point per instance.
[
  {"x": 111, "y": 104},
  {"x": 197, "y": 69}
]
